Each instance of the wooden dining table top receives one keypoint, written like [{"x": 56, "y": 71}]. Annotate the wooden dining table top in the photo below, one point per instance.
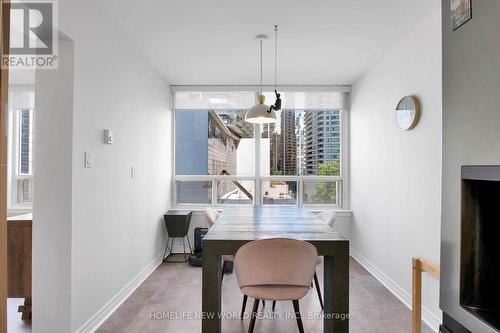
[{"x": 252, "y": 223}]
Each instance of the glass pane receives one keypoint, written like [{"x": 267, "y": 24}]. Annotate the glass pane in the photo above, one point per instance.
[
  {"x": 319, "y": 138},
  {"x": 279, "y": 193},
  {"x": 24, "y": 192},
  {"x": 194, "y": 192},
  {"x": 25, "y": 141},
  {"x": 302, "y": 142},
  {"x": 320, "y": 192},
  {"x": 235, "y": 192},
  {"x": 212, "y": 142},
  {"x": 279, "y": 143}
]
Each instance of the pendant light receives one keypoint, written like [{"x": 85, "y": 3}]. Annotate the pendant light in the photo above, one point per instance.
[
  {"x": 260, "y": 113},
  {"x": 277, "y": 103}
]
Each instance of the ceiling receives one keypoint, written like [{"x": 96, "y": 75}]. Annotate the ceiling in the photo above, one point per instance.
[{"x": 212, "y": 41}]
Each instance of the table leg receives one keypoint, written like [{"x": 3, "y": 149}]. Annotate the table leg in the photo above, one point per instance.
[
  {"x": 336, "y": 280},
  {"x": 211, "y": 294}
]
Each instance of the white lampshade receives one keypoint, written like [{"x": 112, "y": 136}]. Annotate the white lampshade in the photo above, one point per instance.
[{"x": 259, "y": 114}]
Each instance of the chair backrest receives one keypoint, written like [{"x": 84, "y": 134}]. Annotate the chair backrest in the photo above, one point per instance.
[
  {"x": 210, "y": 216},
  {"x": 276, "y": 261},
  {"x": 328, "y": 217}
]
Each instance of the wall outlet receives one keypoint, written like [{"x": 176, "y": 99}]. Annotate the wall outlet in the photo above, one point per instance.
[{"x": 89, "y": 159}]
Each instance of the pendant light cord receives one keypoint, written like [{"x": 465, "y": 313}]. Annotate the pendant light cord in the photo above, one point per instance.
[{"x": 275, "y": 56}]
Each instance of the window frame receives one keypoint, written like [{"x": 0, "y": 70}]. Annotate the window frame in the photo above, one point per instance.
[{"x": 342, "y": 180}]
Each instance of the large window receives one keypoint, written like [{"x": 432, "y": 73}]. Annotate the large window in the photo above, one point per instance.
[
  {"x": 220, "y": 159},
  {"x": 22, "y": 184}
]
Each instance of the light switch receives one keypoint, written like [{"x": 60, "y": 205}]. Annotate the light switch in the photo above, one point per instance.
[
  {"x": 132, "y": 172},
  {"x": 108, "y": 136},
  {"x": 89, "y": 159}
]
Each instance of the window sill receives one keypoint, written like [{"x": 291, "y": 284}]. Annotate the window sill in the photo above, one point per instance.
[
  {"x": 198, "y": 209},
  {"x": 11, "y": 211}
]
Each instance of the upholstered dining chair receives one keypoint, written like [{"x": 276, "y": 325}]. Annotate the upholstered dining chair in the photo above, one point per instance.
[
  {"x": 328, "y": 217},
  {"x": 268, "y": 269},
  {"x": 211, "y": 216}
]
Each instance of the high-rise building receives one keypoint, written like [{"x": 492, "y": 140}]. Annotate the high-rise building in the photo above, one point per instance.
[
  {"x": 322, "y": 138},
  {"x": 288, "y": 161},
  {"x": 269, "y": 131},
  {"x": 300, "y": 129}
]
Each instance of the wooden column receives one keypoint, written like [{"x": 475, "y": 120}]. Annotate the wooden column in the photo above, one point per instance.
[
  {"x": 416, "y": 296},
  {"x": 419, "y": 265},
  {"x": 4, "y": 86}
]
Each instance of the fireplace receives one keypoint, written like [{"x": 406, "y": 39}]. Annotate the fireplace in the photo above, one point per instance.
[{"x": 480, "y": 243}]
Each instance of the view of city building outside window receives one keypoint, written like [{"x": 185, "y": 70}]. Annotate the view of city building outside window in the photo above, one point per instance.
[
  {"x": 220, "y": 142},
  {"x": 210, "y": 142},
  {"x": 304, "y": 143}
]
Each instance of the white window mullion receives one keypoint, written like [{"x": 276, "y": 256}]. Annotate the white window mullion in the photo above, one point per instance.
[
  {"x": 214, "y": 192},
  {"x": 31, "y": 132},
  {"x": 173, "y": 167},
  {"x": 300, "y": 192},
  {"x": 338, "y": 193},
  {"x": 257, "y": 200},
  {"x": 344, "y": 160},
  {"x": 258, "y": 184}
]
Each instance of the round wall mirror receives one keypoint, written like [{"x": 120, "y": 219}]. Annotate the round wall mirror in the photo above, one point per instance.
[{"x": 408, "y": 113}]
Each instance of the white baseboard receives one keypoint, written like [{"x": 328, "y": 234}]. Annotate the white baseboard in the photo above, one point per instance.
[
  {"x": 100, "y": 316},
  {"x": 427, "y": 316}
]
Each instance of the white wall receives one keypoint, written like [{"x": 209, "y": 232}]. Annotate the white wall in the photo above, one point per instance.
[
  {"x": 115, "y": 223},
  {"x": 395, "y": 175},
  {"x": 52, "y": 208}
]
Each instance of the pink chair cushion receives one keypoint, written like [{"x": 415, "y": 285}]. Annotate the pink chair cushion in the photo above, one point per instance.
[
  {"x": 276, "y": 293},
  {"x": 275, "y": 262}
]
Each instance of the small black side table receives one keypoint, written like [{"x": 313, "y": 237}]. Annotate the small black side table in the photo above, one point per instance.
[{"x": 177, "y": 223}]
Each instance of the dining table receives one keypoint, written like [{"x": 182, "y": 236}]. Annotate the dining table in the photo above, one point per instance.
[{"x": 238, "y": 225}]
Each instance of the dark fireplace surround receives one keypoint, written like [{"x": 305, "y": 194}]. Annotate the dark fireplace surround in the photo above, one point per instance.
[{"x": 480, "y": 243}]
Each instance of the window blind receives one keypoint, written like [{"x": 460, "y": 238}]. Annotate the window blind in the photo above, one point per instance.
[{"x": 213, "y": 100}]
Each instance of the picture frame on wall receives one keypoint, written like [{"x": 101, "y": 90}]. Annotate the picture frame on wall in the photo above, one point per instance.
[{"x": 461, "y": 12}]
